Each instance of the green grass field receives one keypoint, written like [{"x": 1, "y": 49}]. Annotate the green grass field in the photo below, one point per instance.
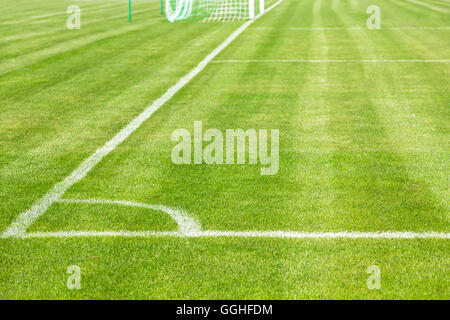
[{"x": 363, "y": 116}]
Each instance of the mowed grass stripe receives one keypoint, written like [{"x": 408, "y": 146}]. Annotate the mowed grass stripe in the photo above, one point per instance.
[
  {"x": 248, "y": 104},
  {"x": 76, "y": 113},
  {"x": 417, "y": 120},
  {"x": 54, "y": 21},
  {"x": 242, "y": 268},
  {"x": 417, "y": 14},
  {"x": 57, "y": 32},
  {"x": 241, "y": 93},
  {"x": 26, "y": 218},
  {"x": 21, "y": 62},
  {"x": 90, "y": 17},
  {"x": 382, "y": 180},
  {"x": 244, "y": 110},
  {"x": 59, "y": 152},
  {"x": 430, "y": 6},
  {"x": 33, "y": 10},
  {"x": 415, "y": 111},
  {"x": 81, "y": 60},
  {"x": 93, "y": 68},
  {"x": 384, "y": 51}
]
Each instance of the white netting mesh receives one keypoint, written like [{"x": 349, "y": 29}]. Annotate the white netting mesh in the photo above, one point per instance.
[{"x": 208, "y": 10}]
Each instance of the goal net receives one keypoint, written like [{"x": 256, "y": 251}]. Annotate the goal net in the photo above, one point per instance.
[{"x": 211, "y": 10}]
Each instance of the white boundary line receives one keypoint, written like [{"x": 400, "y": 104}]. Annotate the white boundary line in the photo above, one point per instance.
[
  {"x": 26, "y": 218},
  {"x": 352, "y": 28},
  {"x": 335, "y": 61},
  {"x": 190, "y": 228},
  {"x": 244, "y": 234}
]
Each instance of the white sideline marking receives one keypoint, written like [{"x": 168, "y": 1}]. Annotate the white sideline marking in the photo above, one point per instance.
[
  {"x": 26, "y": 218},
  {"x": 190, "y": 228},
  {"x": 186, "y": 224},
  {"x": 352, "y": 28},
  {"x": 334, "y": 61},
  {"x": 244, "y": 234}
]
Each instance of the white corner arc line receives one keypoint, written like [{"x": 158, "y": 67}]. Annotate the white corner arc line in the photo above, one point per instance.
[
  {"x": 244, "y": 234},
  {"x": 186, "y": 224},
  {"x": 26, "y": 218}
]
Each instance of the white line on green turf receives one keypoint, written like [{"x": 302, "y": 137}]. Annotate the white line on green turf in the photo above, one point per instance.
[
  {"x": 335, "y": 61},
  {"x": 245, "y": 234},
  {"x": 186, "y": 224},
  {"x": 189, "y": 227},
  {"x": 351, "y": 28},
  {"x": 26, "y": 218}
]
